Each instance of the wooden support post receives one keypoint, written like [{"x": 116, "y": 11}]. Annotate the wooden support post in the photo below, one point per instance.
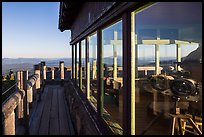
[
  {"x": 129, "y": 71},
  {"x": 37, "y": 71},
  {"x": 94, "y": 69},
  {"x": 21, "y": 79},
  {"x": 145, "y": 72},
  {"x": 157, "y": 63},
  {"x": 53, "y": 73},
  {"x": 157, "y": 71},
  {"x": 9, "y": 124},
  {"x": 44, "y": 72},
  {"x": 115, "y": 57},
  {"x": 100, "y": 75},
  {"x": 42, "y": 63},
  {"x": 178, "y": 56},
  {"x": 137, "y": 89},
  {"x": 87, "y": 69},
  {"x": 61, "y": 66},
  {"x": 73, "y": 64},
  {"x": 30, "y": 95},
  {"x": 25, "y": 103},
  {"x": 76, "y": 78},
  {"x": 18, "y": 79},
  {"x": 80, "y": 66},
  {"x": 20, "y": 104},
  {"x": 133, "y": 73}
]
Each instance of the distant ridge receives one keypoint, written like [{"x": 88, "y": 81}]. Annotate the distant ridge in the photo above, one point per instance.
[{"x": 30, "y": 60}]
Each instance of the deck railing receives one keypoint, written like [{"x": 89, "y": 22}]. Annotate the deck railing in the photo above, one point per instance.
[
  {"x": 18, "y": 100},
  {"x": 23, "y": 96}
]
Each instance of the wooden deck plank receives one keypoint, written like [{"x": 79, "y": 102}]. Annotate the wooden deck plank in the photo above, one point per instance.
[
  {"x": 63, "y": 120},
  {"x": 54, "y": 116},
  {"x": 37, "y": 113},
  {"x": 51, "y": 116},
  {"x": 44, "y": 124}
]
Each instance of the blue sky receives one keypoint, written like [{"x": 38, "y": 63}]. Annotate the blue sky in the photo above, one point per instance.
[{"x": 30, "y": 29}]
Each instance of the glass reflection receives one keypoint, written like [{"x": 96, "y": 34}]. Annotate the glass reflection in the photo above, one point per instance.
[
  {"x": 113, "y": 68},
  {"x": 169, "y": 43},
  {"x": 93, "y": 68}
]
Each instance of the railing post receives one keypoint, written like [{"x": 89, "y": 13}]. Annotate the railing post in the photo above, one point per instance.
[
  {"x": 37, "y": 71},
  {"x": 53, "y": 73},
  {"x": 21, "y": 79},
  {"x": 61, "y": 63},
  {"x": 26, "y": 104},
  {"x": 42, "y": 63},
  {"x": 18, "y": 79},
  {"x": 30, "y": 95},
  {"x": 43, "y": 67},
  {"x": 20, "y": 104},
  {"x": 9, "y": 124}
]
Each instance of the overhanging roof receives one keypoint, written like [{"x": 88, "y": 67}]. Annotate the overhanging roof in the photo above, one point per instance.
[{"x": 68, "y": 12}]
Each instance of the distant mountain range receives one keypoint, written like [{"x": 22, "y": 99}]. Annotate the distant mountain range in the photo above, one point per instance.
[
  {"x": 27, "y": 63},
  {"x": 34, "y": 60}
]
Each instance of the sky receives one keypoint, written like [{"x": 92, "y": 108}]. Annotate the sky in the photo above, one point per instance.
[{"x": 30, "y": 30}]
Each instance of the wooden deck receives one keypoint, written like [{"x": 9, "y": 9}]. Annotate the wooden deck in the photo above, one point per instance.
[{"x": 50, "y": 115}]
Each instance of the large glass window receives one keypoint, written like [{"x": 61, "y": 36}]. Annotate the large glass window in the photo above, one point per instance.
[
  {"x": 93, "y": 67},
  {"x": 169, "y": 64},
  {"x": 113, "y": 67}
]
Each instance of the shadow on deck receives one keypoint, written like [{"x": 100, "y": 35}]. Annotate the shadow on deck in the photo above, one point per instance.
[{"x": 50, "y": 114}]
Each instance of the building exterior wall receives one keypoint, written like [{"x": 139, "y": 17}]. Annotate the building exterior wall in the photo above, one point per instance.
[{"x": 88, "y": 14}]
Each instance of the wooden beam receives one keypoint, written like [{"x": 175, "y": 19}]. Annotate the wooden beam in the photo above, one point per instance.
[
  {"x": 73, "y": 64},
  {"x": 87, "y": 69},
  {"x": 80, "y": 66},
  {"x": 100, "y": 75},
  {"x": 184, "y": 42},
  {"x": 129, "y": 71},
  {"x": 76, "y": 64},
  {"x": 154, "y": 42}
]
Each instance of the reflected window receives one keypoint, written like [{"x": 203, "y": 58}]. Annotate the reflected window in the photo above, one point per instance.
[
  {"x": 93, "y": 67},
  {"x": 113, "y": 68},
  {"x": 169, "y": 63}
]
